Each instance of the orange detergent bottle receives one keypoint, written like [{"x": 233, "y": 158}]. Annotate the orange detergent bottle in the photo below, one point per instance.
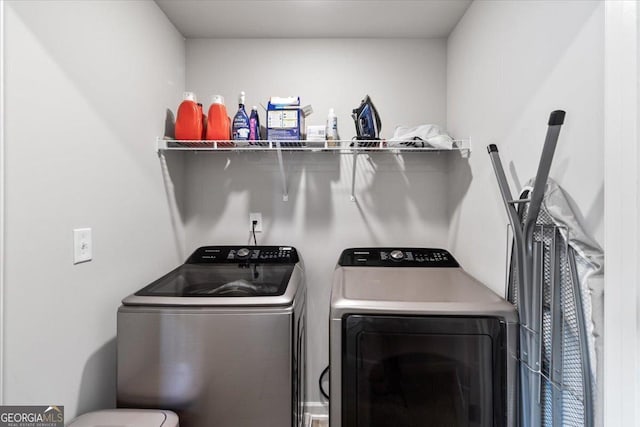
[
  {"x": 218, "y": 123},
  {"x": 189, "y": 120}
]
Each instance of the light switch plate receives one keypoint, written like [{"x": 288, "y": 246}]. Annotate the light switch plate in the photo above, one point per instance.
[{"x": 82, "y": 245}]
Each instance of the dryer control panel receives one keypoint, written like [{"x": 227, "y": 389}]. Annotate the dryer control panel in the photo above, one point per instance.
[
  {"x": 397, "y": 257},
  {"x": 244, "y": 254}
]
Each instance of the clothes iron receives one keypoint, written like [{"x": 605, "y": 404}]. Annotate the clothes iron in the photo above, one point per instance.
[{"x": 367, "y": 120}]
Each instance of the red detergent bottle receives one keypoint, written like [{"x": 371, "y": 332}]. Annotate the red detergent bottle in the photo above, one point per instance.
[
  {"x": 218, "y": 123},
  {"x": 189, "y": 120}
]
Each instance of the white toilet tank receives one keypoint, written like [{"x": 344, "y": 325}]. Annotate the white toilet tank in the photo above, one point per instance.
[{"x": 126, "y": 418}]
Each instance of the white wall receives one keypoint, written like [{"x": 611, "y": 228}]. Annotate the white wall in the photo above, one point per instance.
[
  {"x": 401, "y": 200},
  {"x": 509, "y": 65},
  {"x": 404, "y": 77},
  {"x": 622, "y": 214},
  {"x": 87, "y": 84}
]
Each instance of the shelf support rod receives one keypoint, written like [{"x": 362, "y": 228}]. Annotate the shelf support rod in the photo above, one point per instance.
[
  {"x": 353, "y": 175},
  {"x": 283, "y": 177}
]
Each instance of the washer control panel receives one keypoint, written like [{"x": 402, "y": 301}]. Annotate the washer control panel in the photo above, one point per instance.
[
  {"x": 397, "y": 257},
  {"x": 244, "y": 254}
]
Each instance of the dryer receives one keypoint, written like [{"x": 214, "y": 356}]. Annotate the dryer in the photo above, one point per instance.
[
  {"x": 220, "y": 340},
  {"x": 416, "y": 341}
]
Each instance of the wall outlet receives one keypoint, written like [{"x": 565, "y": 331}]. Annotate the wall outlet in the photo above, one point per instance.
[
  {"x": 256, "y": 216},
  {"x": 82, "y": 245}
]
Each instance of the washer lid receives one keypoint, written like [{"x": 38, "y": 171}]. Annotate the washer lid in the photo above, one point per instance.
[
  {"x": 222, "y": 280},
  {"x": 228, "y": 276},
  {"x": 228, "y": 271}
]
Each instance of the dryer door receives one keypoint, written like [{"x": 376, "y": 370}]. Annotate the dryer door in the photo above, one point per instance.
[{"x": 423, "y": 371}]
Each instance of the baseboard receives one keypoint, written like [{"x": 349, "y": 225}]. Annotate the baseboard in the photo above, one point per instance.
[{"x": 316, "y": 408}]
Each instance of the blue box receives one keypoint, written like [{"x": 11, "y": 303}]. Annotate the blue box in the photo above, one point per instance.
[{"x": 285, "y": 121}]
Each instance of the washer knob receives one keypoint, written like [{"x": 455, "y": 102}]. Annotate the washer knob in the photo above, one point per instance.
[
  {"x": 243, "y": 252},
  {"x": 397, "y": 255}
]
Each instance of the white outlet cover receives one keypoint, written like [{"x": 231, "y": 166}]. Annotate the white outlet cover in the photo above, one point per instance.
[{"x": 82, "y": 245}]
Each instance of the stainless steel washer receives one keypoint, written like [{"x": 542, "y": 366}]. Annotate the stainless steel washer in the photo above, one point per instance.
[
  {"x": 220, "y": 340},
  {"x": 416, "y": 341}
]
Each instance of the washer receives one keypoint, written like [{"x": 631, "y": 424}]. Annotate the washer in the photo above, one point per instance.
[
  {"x": 416, "y": 341},
  {"x": 220, "y": 340}
]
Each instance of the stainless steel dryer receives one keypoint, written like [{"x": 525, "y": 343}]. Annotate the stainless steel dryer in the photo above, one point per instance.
[
  {"x": 220, "y": 340},
  {"x": 416, "y": 341}
]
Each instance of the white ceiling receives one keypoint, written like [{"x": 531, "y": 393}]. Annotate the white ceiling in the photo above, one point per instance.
[{"x": 314, "y": 18}]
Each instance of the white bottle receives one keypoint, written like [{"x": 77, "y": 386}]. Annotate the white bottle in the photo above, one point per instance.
[{"x": 332, "y": 128}]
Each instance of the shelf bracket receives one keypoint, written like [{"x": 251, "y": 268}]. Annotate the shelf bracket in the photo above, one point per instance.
[
  {"x": 353, "y": 175},
  {"x": 283, "y": 177},
  {"x": 161, "y": 145}
]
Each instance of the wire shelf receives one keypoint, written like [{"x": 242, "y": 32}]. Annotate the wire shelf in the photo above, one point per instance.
[
  {"x": 340, "y": 146},
  {"x": 353, "y": 147}
]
